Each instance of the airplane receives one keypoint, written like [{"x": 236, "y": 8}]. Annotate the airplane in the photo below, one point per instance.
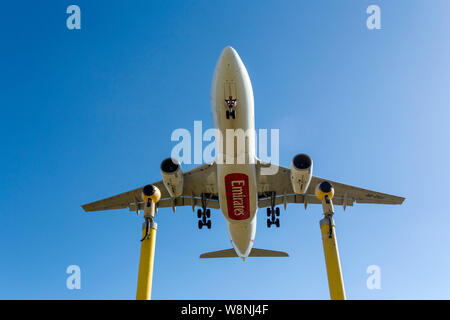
[{"x": 239, "y": 189}]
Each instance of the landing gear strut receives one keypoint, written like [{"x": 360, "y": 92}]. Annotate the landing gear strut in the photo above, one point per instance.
[
  {"x": 231, "y": 104},
  {"x": 273, "y": 213},
  {"x": 203, "y": 215}
]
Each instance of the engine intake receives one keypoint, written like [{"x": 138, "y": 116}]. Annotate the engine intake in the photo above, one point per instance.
[
  {"x": 172, "y": 177},
  {"x": 301, "y": 173}
]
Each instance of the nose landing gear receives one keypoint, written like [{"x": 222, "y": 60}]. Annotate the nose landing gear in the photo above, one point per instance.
[{"x": 231, "y": 104}]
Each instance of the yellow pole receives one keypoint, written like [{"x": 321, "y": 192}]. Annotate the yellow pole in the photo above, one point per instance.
[
  {"x": 150, "y": 195},
  {"x": 333, "y": 264},
  {"x": 145, "y": 275}
]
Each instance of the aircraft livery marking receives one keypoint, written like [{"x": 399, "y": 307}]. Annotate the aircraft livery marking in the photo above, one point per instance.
[{"x": 236, "y": 186}]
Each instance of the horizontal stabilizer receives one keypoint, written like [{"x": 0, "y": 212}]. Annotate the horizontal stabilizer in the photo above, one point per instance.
[
  {"x": 231, "y": 253},
  {"x": 267, "y": 253}
]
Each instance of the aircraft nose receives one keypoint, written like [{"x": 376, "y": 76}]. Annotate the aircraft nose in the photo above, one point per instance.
[
  {"x": 229, "y": 56},
  {"x": 228, "y": 52}
]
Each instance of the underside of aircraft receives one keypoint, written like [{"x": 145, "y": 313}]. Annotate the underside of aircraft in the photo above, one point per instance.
[{"x": 239, "y": 190}]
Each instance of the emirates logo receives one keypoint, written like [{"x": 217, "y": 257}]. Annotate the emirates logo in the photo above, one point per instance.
[{"x": 236, "y": 186}]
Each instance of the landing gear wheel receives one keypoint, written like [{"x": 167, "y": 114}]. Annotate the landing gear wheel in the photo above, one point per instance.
[
  {"x": 204, "y": 214},
  {"x": 269, "y": 212},
  {"x": 228, "y": 114},
  {"x": 269, "y": 223},
  {"x": 233, "y": 114},
  {"x": 277, "y": 211},
  {"x": 277, "y": 222}
]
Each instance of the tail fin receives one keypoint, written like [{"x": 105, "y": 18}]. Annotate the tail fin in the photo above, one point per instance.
[{"x": 230, "y": 253}]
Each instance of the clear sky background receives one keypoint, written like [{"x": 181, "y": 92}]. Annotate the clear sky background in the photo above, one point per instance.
[{"x": 87, "y": 114}]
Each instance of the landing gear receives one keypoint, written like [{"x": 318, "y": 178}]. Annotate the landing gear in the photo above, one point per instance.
[
  {"x": 204, "y": 215},
  {"x": 231, "y": 104},
  {"x": 231, "y": 113},
  {"x": 201, "y": 213},
  {"x": 204, "y": 221},
  {"x": 207, "y": 224},
  {"x": 275, "y": 221},
  {"x": 272, "y": 213}
]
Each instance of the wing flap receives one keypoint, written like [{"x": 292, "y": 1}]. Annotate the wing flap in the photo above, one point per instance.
[
  {"x": 178, "y": 202},
  {"x": 298, "y": 198}
]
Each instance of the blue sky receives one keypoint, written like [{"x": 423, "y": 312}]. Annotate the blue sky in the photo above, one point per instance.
[{"x": 88, "y": 113}]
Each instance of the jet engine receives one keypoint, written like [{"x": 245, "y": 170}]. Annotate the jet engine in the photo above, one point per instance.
[
  {"x": 301, "y": 173},
  {"x": 172, "y": 177}
]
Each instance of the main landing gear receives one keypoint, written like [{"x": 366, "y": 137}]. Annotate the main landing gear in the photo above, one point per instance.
[
  {"x": 273, "y": 213},
  {"x": 203, "y": 215},
  {"x": 231, "y": 104}
]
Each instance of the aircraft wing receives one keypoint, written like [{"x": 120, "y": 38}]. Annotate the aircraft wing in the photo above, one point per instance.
[
  {"x": 344, "y": 194},
  {"x": 200, "y": 180}
]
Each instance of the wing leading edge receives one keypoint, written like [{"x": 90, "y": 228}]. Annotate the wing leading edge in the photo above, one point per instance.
[
  {"x": 345, "y": 195},
  {"x": 198, "y": 181}
]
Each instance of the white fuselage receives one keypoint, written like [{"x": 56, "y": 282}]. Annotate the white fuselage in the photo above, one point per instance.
[{"x": 236, "y": 173}]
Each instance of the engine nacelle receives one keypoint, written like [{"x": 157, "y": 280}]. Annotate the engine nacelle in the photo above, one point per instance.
[
  {"x": 172, "y": 177},
  {"x": 301, "y": 173}
]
